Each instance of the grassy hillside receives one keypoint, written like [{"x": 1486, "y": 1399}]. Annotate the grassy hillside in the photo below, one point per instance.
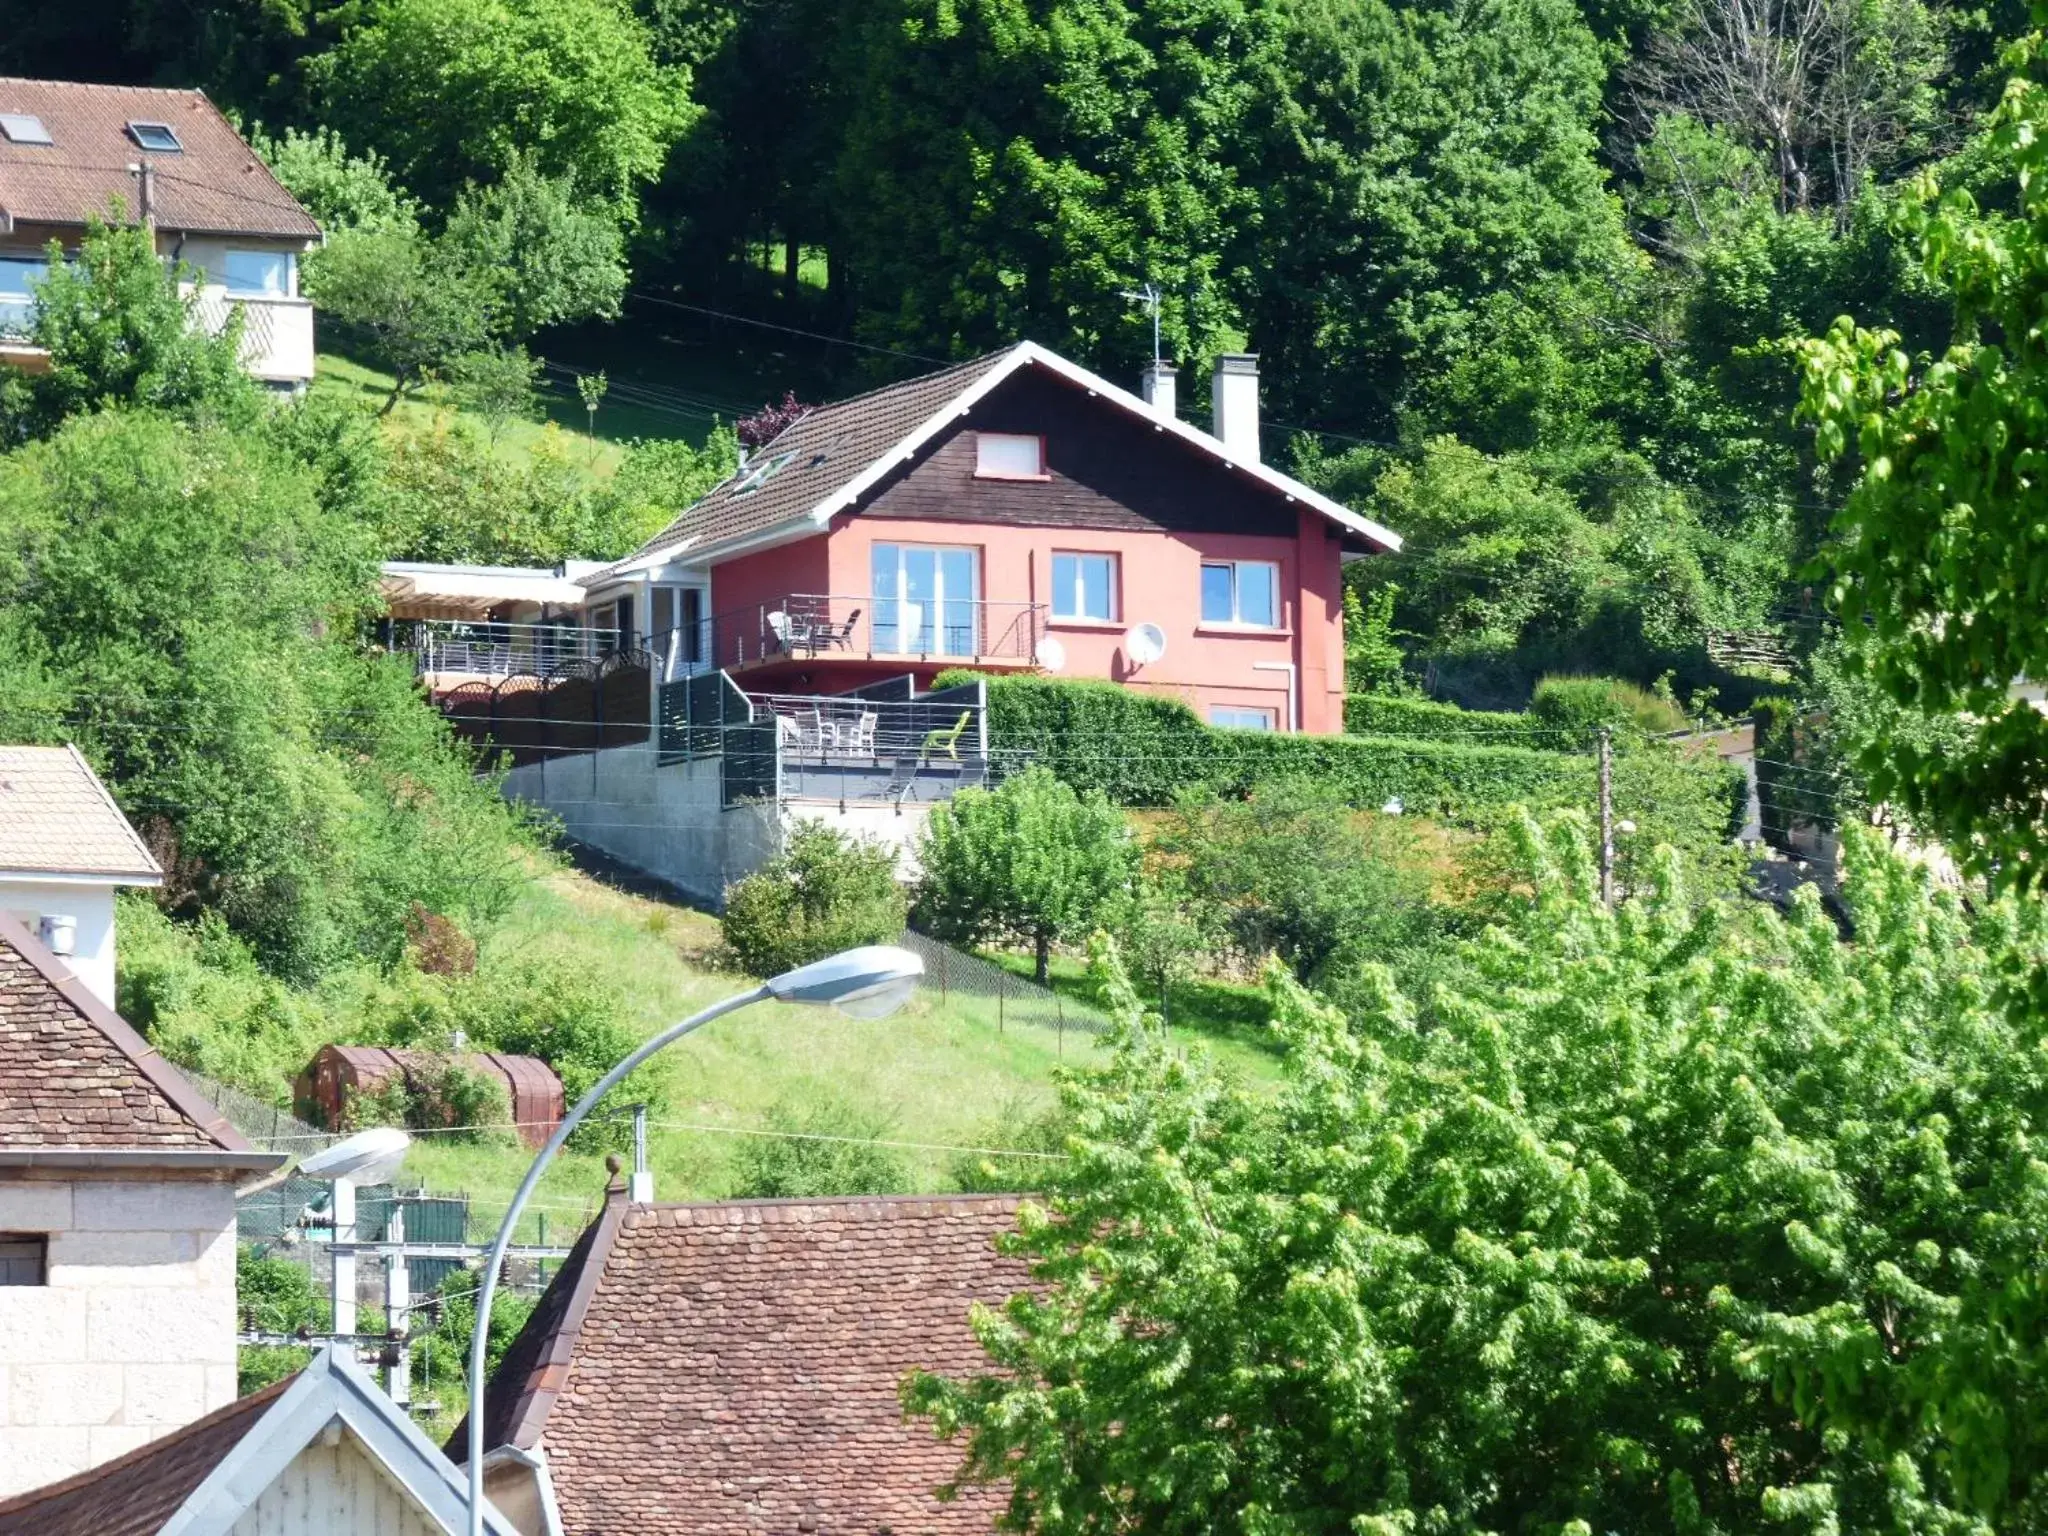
[{"x": 940, "y": 1072}]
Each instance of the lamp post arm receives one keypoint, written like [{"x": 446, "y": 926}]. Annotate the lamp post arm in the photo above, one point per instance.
[{"x": 489, "y": 1285}]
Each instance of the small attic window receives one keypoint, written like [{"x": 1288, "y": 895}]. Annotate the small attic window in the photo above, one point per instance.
[
  {"x": 24, "y": 128},
  {"x": 24, "y": 1258},
  {"x": 156, "y": 136}
]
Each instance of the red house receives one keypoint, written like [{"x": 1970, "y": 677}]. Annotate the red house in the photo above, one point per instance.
[{"x": 1017, "y": 512}]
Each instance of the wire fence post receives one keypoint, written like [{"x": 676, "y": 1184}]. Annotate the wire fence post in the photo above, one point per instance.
[
  {"x": 1606, "y": 816},
  {"x": 1002, "y": 991}
]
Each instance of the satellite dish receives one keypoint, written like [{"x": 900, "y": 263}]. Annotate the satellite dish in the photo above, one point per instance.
[
  {"x": 368, "y": 1157},
  {"x": 1144, "y": 644},
  {"x": 1050, "y": 654}
]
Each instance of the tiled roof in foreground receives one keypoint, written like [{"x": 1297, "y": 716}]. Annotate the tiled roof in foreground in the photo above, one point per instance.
[
  {"x": 75, "y": 1077},
  {"x": 733, "y": 1367}
]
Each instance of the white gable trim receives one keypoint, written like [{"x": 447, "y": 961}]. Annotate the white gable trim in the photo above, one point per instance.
[
  {"x": 1029, "y": 353},
  {"x": 331, "y": 1388}
]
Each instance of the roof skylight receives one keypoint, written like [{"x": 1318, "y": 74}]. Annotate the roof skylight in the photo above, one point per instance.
[
  {"x": 156, "y": 136},
  {"x": 24, "y": 128},
  {"x": 761, "y": 472}
]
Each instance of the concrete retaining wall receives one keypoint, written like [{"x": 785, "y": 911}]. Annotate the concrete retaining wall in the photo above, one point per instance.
[{"x": 669, "y": 821}]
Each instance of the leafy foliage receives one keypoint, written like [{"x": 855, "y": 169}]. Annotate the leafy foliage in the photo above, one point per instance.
[
  {"x": 1030, "y": 860},
  {"x": 552, "y": 256},
  {"x": 1144, "y": 750},
  {"x": 819, "y": 1145},
  {"x": 118, "y": 333},
  {"x": 1669, "y": 1221},
  {"x": 190, "y": 604},
  {"x": 456, "y": 91},
  {"x": 1293, "y": 870},
  {"x": 1937, "y": 552},
  {"x": 824, "y": 892}
]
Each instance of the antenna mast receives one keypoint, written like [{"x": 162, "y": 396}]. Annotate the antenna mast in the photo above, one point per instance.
[{"x": 1149, "y": 296}]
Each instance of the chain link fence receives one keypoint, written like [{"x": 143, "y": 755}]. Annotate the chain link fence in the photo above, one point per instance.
[{"x": 1009, "y": 1001}]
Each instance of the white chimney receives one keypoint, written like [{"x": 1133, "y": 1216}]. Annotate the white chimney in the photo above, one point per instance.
[
  {"x": 1158, "y": 389},
  {"x": 1234, "y": 400}
]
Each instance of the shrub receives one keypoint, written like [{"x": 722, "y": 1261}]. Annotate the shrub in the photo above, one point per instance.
[
  {"x": 1385, "y": 714},
  {"x": 823, "y": 1145},
  {"x": 1143, "y": 750},
  {"x": 1581, "y": 705},
  {"x": 1031, "y": 860},
  {"x": 1291, "y": 869},
  {"x": 823, "y": 893}
]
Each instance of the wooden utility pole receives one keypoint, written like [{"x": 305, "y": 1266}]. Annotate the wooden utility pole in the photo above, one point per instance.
[{"x": 1606, "y": 816}]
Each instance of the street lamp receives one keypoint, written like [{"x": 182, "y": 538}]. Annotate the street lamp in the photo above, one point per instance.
[{"x": 868, "y": 983}]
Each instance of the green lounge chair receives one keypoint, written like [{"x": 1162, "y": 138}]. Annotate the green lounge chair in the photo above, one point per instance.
[{"x": 947, "y": 739}]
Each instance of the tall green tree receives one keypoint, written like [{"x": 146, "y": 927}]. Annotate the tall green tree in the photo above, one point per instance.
[
  {"x": 1937, "y": 558},
  {"x": 1407, "y": 162},
  {"x": 455, "y": 91},
  {"x": 1670, "y": 1220},
  {"x": 1030, "y": 860},
  {"x": 552, "y": 256},
  {"x": 1012, "y": 169}
]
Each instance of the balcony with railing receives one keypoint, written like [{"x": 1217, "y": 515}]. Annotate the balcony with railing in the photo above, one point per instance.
[
  {"x": 479, "y": 648},
  {"x": 812, "y": 627},
  {"x": 277, "y": 331},
  {"x": 886, "y": 743}
]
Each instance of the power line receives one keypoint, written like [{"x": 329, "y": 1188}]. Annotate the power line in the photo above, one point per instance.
[{"x": 787, "y": 330}]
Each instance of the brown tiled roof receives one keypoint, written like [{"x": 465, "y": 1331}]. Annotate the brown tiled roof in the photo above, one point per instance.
[
  {"x": 826, "y": 449},
  {"x": 56, "y": 817},
  {"x": 216, "y": 185},
  {"x": 733, "y": 1368},
  {"x": 136, "y": 1494},
  {"x": 74, "y": 1075}
]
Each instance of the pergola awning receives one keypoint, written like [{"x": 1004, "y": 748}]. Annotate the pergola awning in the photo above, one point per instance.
[{"x": 419, "y": 591}]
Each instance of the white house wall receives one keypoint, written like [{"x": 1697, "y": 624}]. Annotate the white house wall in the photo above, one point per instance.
[
  {"x": 134, "y": 1333},
  {"x": 29, "y": 901},
  {"x": 335, "y": 1490}
]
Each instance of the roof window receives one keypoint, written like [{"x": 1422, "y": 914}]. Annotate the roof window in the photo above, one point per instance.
[
  {"x": 156, "y": 136},
  {"x": 24, "y": 128},
  {"x": 760, "y": 473}
]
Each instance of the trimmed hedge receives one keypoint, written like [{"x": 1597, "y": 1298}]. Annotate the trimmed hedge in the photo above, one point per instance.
[
  {"x": 1144, "y": 750},
  {"x": 1383, "y": 714}
]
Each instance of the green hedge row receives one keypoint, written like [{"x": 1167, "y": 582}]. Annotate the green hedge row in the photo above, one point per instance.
[
  {"x": 1144, "y": 750},
  {"x": 1381, "y": 714}
]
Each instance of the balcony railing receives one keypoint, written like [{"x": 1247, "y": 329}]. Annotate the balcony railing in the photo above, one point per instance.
[
  {"x": 501, "y": 650},
  {"x": 810, "y": 627},
  {"x": 277, "y": 332}
]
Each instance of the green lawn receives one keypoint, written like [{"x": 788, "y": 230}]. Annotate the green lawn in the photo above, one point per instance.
[{"x": 941, "y": 1071}]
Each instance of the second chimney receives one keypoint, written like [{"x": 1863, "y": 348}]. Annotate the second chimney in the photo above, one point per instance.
[
  {"x": 1234, "y": 402},
  {"x": 1159, "y": 392}
]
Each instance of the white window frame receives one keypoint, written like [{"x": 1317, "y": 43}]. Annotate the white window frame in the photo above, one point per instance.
[
  {"x": 1067, "y": 604},
  {"x": 1236, "y": 619},
  {"x": 1243, "y": 717},
  {"x": 931, "y": 624},
  {"x": 986, "y": 469},
  {"x": 23, "y": 297}
]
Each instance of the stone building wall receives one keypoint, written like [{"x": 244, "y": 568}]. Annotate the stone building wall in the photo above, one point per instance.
[{"x": 133, "y": 1332}]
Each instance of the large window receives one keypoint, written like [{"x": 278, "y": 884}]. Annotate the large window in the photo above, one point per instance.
[
  {"x": 265, "y": 272},
  {"x": 19, "y": 277},
  {"x": 1084, "y": 587},
  {"x": 1243, "y": 592},
  {"x": 1237, "y": 718},
  {"x": 1009, "y": 456},
  {"x": 926, "y": 600}
]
